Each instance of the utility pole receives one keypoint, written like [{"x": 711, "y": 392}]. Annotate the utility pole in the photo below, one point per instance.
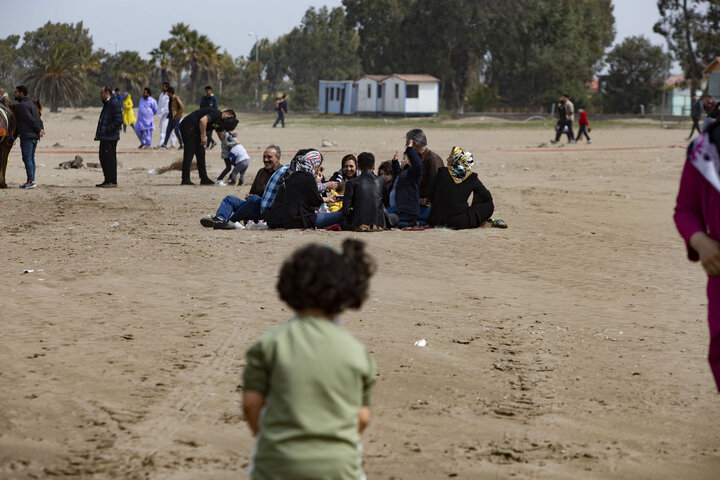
[{"x": 667, "y": 74}]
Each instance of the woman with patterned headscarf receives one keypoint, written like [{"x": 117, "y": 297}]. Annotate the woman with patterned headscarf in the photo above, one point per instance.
[
  {"x": 298, "y": 195},
  {"x": 450, "y": 190}
]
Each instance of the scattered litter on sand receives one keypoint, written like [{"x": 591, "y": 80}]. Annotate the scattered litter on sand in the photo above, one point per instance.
[
  {"x": 175, "y": 166},
  {"x": 77, "y": 162}
]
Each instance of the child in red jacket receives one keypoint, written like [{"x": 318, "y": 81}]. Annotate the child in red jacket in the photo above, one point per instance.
[{"x": 584, "y": 126}]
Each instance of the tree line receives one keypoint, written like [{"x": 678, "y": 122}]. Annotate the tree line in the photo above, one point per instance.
[{"x": 487, "y": 53}]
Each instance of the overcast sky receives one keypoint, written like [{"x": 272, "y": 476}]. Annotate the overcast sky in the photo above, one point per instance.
[{"x": 141, "y": 25}]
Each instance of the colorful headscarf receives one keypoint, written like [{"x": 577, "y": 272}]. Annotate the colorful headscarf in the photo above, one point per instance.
[
  {"x": 310, "y": 163},
  {"x": 461, "y": 164},
  {"x": 704, "y": 156}
]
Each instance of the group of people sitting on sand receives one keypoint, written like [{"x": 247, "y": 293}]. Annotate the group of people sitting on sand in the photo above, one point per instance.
[{"x": 297, "y": 195}]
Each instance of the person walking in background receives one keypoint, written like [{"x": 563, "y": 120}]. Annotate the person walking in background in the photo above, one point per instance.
[
  {"x": 108, "y": 133},
  {"x": 696, "y": 109},
  {"x": 174, "y": 116},
  {"x": 711, "y": 110},
  {"x": 584, "y": 126},
  {"x": 145, "y": 124},
  {"x": 209, "y": 100},
  {"x": 697, "y": 217},
  {"x": 566, "y": 115},
  {"x": 120, "y": 99},
  {"x": 281, "y": 108},
  {"x": 164, "y": 115},
  {"x": 128, "y": 115},
  {"x": 30, "y": 130}
]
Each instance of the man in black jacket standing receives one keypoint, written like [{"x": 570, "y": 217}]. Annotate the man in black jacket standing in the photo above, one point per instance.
[
  {"x": 108, "y": 132},
  {"x": 30, "y": 129}
]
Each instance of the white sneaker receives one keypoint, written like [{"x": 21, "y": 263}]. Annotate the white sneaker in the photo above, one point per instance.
[
  {"x": 589, "y": 142},
  {"x": 236, "y": 225},
  {"x": 219, "y": 183}
]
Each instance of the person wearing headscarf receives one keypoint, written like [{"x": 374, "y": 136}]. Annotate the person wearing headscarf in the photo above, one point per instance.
[
  {"x": 298, "y": 196},
  {"x": 128, "y": 115},
  {"x": 450, "y": 190},
  {"x": 697, "y": 217}
]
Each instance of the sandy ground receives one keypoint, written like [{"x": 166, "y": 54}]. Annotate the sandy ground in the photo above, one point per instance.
[{"x": 571, "y": 345}]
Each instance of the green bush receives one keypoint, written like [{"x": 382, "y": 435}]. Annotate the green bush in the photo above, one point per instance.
[{"x": 482, "y": 98}]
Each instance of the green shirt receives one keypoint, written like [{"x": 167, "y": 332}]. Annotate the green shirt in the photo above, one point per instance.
[{"x": 315, "y": 377}]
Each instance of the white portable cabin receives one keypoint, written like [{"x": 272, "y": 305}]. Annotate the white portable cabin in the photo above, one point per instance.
[
  {"x": 336, "y": 97},
  {"x": 410, "y": 94},
  {"x": 369, "y": 93}
]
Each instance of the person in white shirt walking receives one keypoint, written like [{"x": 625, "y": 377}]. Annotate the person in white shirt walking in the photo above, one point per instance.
[{"x": 164, "y": 116}]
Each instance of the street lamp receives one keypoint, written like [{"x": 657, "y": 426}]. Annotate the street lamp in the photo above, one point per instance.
[{"x": 252, "y": 34}]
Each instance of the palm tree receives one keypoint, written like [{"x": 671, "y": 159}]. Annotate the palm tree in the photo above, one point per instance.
[
  {"x": 165, "y": 61},
  {"x": 60, "y": 78},
  {"x": 198, "y": 53},
  {"x": 133, "y": 70}
]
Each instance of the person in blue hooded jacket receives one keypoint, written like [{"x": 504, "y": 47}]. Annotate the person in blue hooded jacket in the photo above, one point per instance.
[{"x": 405, "y": 195}]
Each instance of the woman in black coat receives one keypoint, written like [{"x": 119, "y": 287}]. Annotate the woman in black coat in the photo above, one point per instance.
[
  {"x": 298, "y": 196},
  {"x": 450, "y": 190}
]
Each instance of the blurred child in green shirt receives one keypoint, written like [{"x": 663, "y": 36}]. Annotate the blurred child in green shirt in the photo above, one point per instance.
[{"x": 307, "y": 383}]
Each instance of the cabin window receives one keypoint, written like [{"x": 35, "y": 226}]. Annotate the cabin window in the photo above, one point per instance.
[
  {"x": 369, "y": 91},
  {"x": 332, "y": 94},
  {"x": 379, "y": 91},
  {"x": 411, "y": 91},
  {"x": 397, "y": 90}
]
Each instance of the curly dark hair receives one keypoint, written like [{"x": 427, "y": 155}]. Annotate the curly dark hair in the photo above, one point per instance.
[
  {"x": 385, "y": 168},
  {"x": 228, "y": 124},
  {"x": 316, "y": 276}
]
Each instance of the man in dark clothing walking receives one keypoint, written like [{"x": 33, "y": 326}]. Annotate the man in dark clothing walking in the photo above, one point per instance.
[
  {"x": 566, "y": 115},
  {"x": 30, "y": 130},
  {"x": 209, "y": 100},
  {"x": 281, "y": 108},
  {"x": 108, "y": 133},
  {"x": 696, "y": 109}
]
